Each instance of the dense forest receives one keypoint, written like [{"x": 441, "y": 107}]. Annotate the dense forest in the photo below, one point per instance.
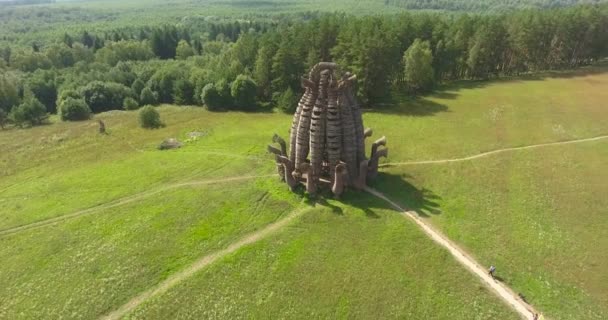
[
  {"x": 257, "y": 64},
  {"x": 485, "y": 5}
]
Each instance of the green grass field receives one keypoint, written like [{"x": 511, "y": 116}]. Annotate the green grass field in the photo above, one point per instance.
[{"x": 536, "y": 213}]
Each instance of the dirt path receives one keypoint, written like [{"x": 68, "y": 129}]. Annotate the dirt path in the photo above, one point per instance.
[
  {"x": 504, "y": 292},
  {"x": 202, "y": 263},
  {"x": 489, "y": 153},
  {"x": 123, "y": 201}
]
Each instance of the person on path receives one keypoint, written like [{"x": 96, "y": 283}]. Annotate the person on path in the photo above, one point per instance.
[{"x": 491, "y": 271}]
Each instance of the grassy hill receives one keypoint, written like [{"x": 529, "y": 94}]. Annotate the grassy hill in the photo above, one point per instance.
[{"x": 90, "y": 221}]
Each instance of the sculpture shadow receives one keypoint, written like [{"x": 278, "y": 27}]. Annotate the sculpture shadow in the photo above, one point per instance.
[
  {"x": 408, "y": 196},
  {"x": 399, "y": 190}
]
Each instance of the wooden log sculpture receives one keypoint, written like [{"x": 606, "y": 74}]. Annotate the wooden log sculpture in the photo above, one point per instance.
[{"x": 327, "y": 136}]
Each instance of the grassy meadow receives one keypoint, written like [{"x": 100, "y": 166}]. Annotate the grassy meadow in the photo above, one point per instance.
[
  {"x": 537, "y": 214},
  {"x": 356, "y": 259}
]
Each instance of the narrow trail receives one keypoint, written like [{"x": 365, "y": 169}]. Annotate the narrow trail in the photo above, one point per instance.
[
  {"x": 202, "y": 263},
  {"x": 123, "y": 201},
  {"x": 489, "y": 153},
  {"x": 503, "y": 291}
]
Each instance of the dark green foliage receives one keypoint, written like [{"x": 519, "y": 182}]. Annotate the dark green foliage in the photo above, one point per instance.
[
  {"x": 418, "y": 73},
  {"x": 476, "y": 5},
  {"x": 148, "y": 97},
  {"x": 31, "y": 61},
  {"x": 42, "y": 85},
  {"x": 74, "y": 110},
  {"x": 164, "y": 42},
  {"x": 286, "y": 66},
  {"x": 149, "y": 118},
  {"x": 243, "y": 92},
  {"x": 66, "y": 94},
  {"x": 277, "y": 53},
  {"x": 3, "y": 118},
  {"x": 130, "y": 104},
  {"x": 262, "y": 69},
  {"x": 371, "y": 50},
  {"x": 105, "y": 96},
  {"x": 183, "y": 50},
  {"x": 122, "y": 73},
  {"x": 131, "y": 50},
  {"x": 30, "y": 112},
  {"x": 211, "y": 97},
  {"x": 287, "y": 101},
  {"x": 5, "y": 54},
  {"x": 60, "y": 55},
  {"x": 223, "y": 89},
  {"x": 137, "y": 87},
  {"x": 9, "y": 92},
  {"x": 183, "y": 92},
  {"x": 87, "y": 40},
  {"x": 163, "y": 81},
  {"x": 198, "y": 78},
  {"x": 67, "y": 40}
]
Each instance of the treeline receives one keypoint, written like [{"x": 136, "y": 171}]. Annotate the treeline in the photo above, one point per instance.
[
  {"x": 486, "y": 5},
  {"x": 23, "y": 2},
  {"x": 249, "y": 65}
]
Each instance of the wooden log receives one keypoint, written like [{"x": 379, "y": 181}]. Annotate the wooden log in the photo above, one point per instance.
[
  {"x": 376, "y": 145},
  {"x": 339, "y": 179},
  {"x": 277, "y": 139},
  {"x": 293, "y": 133},
  {"x": 372, "y": 170},
  {"x": 303, "y": 132},
  {"x": 361, "y": 181},
  {"x": 334, "y": 129},
  {"x": 317, "y": 129},
  {"x": 349, "y": 146},
  {"x": 292, "y": 182}
]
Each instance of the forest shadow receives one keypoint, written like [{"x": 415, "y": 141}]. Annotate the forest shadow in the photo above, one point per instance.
[
  {"x": 424, "y": 105},
  {"x": 409, "y": 106},
  {"x": 450, "y": 89}
]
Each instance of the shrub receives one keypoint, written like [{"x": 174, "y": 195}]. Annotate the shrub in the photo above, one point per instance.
[
  {"x": 130, "y": 104},
  {"x": 243, "y": 91},
  {"x": 183, "y": 92},
  {"x": 211, "y": 97},
  {"x": 149, "y": 118},
  {"x": 74, "y": 110},
  {"x": 105, "y": 96},
  {"x": 148, "y": 97},
  {"x": 67, "y": 94},
  {"x": 223, "y": 89},
  {"x": 287, "y": 101},
  {"x": 31, "y": 112},
  {"x": 137, "y": 87}
]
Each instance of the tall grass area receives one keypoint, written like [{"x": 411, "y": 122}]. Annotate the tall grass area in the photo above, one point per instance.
[
  {"x": 341, "y": 261},
  {"x": 88, "y": 266},
  {"x": 56, "y": 169},
  {"x": 538, "y": 215}
]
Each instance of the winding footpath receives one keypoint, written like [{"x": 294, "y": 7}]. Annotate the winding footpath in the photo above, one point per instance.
[
  {"x": 504, "y": 292},
  {"x": 123, "y": 201},
  {"x": 203, "y": 262},
  {"x": 489, "y": 153}
]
